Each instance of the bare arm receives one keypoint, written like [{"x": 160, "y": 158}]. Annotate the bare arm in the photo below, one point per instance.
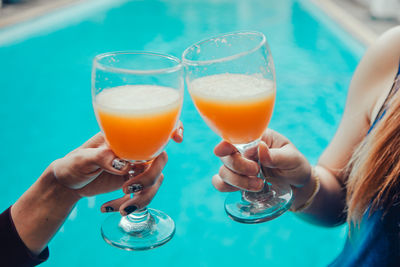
[
  {"x": 368, "y": 89},
  {"x": 41, "y": 210}
]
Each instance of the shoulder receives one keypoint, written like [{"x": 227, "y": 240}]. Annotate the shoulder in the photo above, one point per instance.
[
  {"x": 375, "y": 74},
  {"x": 385, "y": 51},
  {"x": 390, "y": 38},
  {"x": 368, "y": 89}
]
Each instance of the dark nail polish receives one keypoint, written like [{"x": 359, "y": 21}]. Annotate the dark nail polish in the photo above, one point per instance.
[
  {"x": 118, "y": 164},
  {"x": 130, "y": 209},
  {"x": 109, "y": 209},
  {"x": 133, "y": 188}
]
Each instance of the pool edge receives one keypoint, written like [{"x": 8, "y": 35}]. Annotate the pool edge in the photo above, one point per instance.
[
  {"x": 347, "y": 21},
  {"x": 34, "y": 12}
]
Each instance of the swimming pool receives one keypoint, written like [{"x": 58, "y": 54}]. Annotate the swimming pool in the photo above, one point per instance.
[{"x": 46, "y": 111}]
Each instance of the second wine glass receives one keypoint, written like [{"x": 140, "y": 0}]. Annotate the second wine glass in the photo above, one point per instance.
[{"x": 231, "y": 79}]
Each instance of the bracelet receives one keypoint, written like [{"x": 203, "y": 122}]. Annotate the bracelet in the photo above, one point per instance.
[{"x": 311, "y": 198}]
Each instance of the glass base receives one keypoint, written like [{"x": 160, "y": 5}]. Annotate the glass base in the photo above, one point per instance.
[
  {"x": 257, "y": 207},
  {"x": 157, "y": 231}
]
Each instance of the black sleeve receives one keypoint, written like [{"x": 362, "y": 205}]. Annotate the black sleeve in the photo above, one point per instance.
[{"x": 13, "y": 251}]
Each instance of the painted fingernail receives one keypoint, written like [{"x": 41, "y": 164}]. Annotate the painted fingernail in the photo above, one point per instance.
[
  {"x": 109, "y": 209},
  {"x": 130, "y": 209},
  {"x": 180, "y": 132},
  {"x": 256, "y": 183},
  {"x": 118, "y": 164},
  {"x": 133, "y": 188}
]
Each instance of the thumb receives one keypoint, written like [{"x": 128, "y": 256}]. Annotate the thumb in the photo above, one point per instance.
[
  {"x": 224, "y": 149},
  {"x": 275, "y": 157},
  {"x": 264, "y": 155},
  {"x": 284, "y": 158}
]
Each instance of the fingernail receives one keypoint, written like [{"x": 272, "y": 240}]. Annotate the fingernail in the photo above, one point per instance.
[
  {"x": 109, "y": 209},
  {"x": 256, "y": 183},
  {"x": 130, "y": 209},
  {"x": 118, "y": 164},
  {"x": 180, "y": 132},
  {"x": 133, "y": 188}
]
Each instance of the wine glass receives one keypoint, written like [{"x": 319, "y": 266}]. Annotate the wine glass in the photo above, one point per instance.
[
  {"x": 137, "y": 98},
  {"x": 231, "y": 79}
]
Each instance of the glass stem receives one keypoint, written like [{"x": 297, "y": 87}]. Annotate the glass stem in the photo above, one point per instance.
[
  {"x": 262, "y": 176},
  {"x": 137, "y": 222},
  {"x": 260, "y": 195},
  {"x": 139, "y": 216}
]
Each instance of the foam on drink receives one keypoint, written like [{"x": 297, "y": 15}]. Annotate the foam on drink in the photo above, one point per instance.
[
  {"x": 238, "y": 107},
  {"x": 138, "y": 120},
  {"x": 137, "y": 99},
  {"x": 231, "y": 87}
]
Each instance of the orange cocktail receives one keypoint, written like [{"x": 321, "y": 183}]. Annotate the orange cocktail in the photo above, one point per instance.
[
  {"x": 238, "y": 107},
  {"x": 138, "y": 120}
]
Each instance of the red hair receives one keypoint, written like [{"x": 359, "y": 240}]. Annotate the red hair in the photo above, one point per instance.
[{"x": 374, "y": 168}]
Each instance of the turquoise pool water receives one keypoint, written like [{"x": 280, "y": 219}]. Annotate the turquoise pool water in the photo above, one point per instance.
[{"x": 46, "y": 111}]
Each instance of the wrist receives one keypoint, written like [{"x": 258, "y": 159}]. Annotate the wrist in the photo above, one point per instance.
[
  {"x": 305, "y": 195},
  {"x": 57, "y": 189}
]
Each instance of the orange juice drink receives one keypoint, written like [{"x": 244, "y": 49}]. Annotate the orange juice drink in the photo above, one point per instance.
[
  {"x": 238, "y": 107},
  {"x": 138, "y": 120}
]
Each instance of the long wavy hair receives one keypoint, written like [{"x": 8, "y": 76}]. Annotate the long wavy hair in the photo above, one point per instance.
[{"x": 374, "y": 169}]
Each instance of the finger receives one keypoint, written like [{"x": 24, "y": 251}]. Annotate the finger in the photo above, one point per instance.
[
  {"x": 224, "y": 149},
  {"x": 96, "y": 141},
  {"x": 274, "y": 139},
  {"x": 237, "y": 163},
  {"x": 265, "y": 156},
  {"x": 250, "y": 183},
  {"x": 221, "y": 186},
  {"x": 147, "y": 178},
  {"x": 177, "y": 135},
  {"x": 104, "y": 158},
  {"x": 283, "y": 158},
  {"x": 234, "y": 160},
  {"x": 114, "y": 205},
  {"x": 141, "y": 200}
]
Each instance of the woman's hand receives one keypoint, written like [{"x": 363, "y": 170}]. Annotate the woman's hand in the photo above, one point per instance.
[
  {"x": 88, "y": 170},
  {"x": 94, "y": 169},
  {"x": 278, "y": 157}
]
